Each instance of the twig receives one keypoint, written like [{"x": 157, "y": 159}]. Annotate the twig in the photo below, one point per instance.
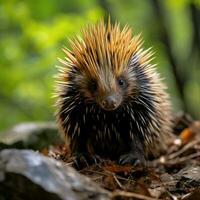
[
  {"x": 183, "y": 159},
  {"x": 130, "y": 194},
  {"x": 185, "y": 148},
  {"x": 172, "y": 196},
  {"x": 107, "y": 174},
  {"x": 117, "y": 181},
  {"x": 96, "y": 178},
  {"x": 69, "y": 164}
]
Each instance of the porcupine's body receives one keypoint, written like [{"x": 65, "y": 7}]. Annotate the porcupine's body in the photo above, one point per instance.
[{"x": 111, "y": 101}]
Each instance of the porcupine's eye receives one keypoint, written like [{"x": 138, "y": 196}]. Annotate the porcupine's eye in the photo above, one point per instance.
[
  {"x": 92, "y": 85},
  {"x": 122, "y": 82}
]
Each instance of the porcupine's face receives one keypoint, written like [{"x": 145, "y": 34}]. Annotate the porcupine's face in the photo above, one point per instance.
[{"x": 107, "y": 90}]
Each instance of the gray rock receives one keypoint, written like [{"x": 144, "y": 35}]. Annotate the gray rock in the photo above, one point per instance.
[
  {"x": 25, "y": 174},
  {"x": 188, "y": 177},
  {"x": 30, "y": 135}
]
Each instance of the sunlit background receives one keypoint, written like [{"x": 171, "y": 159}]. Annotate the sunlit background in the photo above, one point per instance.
[{"x": 32, "y": 33}]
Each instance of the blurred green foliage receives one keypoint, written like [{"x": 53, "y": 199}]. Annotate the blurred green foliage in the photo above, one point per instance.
[{"x": 32, "y": 33}]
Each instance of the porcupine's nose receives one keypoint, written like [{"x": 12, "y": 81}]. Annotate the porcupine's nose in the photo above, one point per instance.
[{"x": 110, "y": 102}]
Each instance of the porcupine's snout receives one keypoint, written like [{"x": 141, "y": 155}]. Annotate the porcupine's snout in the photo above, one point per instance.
[{"x": 110, "y": 102}]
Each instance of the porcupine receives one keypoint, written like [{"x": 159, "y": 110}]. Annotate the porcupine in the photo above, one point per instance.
[{"x": 111, "y": 102}]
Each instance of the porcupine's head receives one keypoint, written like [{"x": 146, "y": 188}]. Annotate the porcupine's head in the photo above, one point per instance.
[{"x": 103, "y": 65}]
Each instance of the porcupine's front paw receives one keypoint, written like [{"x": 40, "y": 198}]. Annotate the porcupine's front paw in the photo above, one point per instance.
[
  {"x": 83, "y": 159},
  {"x": 133, "y": 159}
]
